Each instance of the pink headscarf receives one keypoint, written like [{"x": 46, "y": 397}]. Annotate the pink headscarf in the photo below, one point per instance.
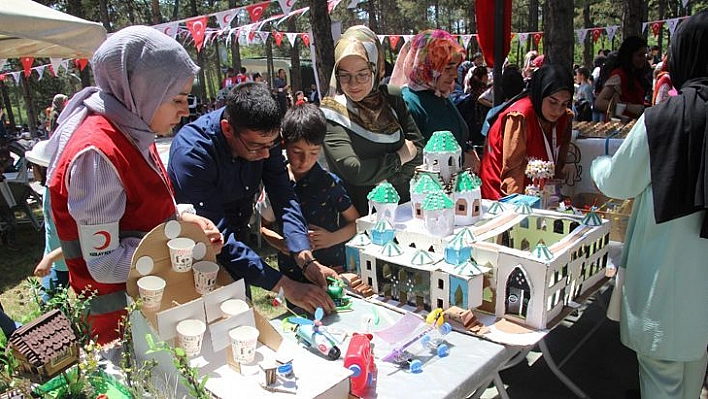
[{"x": 423, "y": 59}]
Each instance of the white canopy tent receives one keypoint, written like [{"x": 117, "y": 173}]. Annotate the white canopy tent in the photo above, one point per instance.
[{"x": 29, "y": 29}]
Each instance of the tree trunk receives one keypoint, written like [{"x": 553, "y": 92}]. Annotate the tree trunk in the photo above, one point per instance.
[
  {"x": 371, "y": 11},
  {"x": 662, "y": 12},
  {"x": 29, "y": 103},
  {"x": 200, "y": 55},
  {"x": 175, "y": 11},
  {"x": 235, "y": 46},
  {"x": 324, "y": 44},
  {"x": 632, "y": 18},
  {"x": 559, "y": 37},
  {"x": 588, "y": 48},
  {"x": 533, "y": 22},
  {"x": 155, "y": 8},
  {"x": 8, "y": 104},
  {"x": 105, "y": 16},
  {"x": 295, "y": 72}
]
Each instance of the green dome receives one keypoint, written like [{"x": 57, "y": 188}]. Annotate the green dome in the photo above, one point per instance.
[
  {"x": 426, "y": 184},
  {"x": 391, "y": 249},
  {"x": 592, "y": 219},
  {"x": 466, "y": 181},
  {"x": 421, "y": 257},
  {"x": 467, "y": 235},
  {"x": 542, "y": 252},
  {"x": 436, "y": 201},
  {"x": 384, "y": 193},
  {"x": 442, "y": 141}
]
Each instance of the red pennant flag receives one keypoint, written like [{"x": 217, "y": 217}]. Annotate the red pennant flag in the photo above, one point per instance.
[
  {"x": 255, "y": 11},
  {"x": 305, "y": 39},
  {"x": 393, "y": 39},
  {"x": 81, "y": 63},
  {"x": 278, "y": 36},
  {"x": 197, "y": 27},
  {"x": 27, "y": 65},
  {"x": 251, "y": 35},
  {"x": 2, "y": 77},
  {"x": 656, "y": 27},
  {"x": 537, "y": 37},
  {"x": 596, "y": 33}
]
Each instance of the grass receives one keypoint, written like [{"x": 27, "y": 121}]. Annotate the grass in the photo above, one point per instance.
[{"x": 17, "y": 267}]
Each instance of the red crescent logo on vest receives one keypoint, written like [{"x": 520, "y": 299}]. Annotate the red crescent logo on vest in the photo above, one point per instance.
[{"x": 106, "y": 240}]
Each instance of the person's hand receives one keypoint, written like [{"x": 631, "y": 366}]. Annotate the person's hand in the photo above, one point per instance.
[
  {"x": 472, "y": 161},
  {"x": 318, "y": 273},
  {"x": 209, "y": 228},
  {"x": 43, "y": 267},
  {"x": 407, "y": 152},
  {"x": 320, "y": 238},
  {"x": 306, "y": 296}
]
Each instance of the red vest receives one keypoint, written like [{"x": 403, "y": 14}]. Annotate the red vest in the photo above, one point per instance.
[
  {"x": 149, "y": 202},
  {"x": 634, "y": 95},
  {"x": 490, "y": 170}
]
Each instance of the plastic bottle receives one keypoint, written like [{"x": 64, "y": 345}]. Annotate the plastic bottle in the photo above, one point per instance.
[
  {"x": 360, "y": 360},
  {"x": 435, "y": 339}
]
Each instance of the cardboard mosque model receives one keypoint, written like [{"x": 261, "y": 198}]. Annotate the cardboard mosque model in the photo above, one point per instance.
[{"x": 519, "y": 263}]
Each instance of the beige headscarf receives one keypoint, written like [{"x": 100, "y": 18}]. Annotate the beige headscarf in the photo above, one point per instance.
[{"x": 373, "y": 112}]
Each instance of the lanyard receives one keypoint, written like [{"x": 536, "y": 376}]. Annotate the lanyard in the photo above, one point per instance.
[{"x": 551, "y": 153}]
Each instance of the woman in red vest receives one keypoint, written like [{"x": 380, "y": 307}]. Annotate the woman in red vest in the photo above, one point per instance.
[
  {"x": 107, "y": 185},
  {"x": 535, "y": 124},
  {"x": 628, "y": 84}
]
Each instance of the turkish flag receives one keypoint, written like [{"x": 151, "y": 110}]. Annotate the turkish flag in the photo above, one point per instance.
[
  {"x": 27, "y": 65},
  {"x": 81, "y": 63},
  {"x": 278, "y": 36},
  {"x": 596, "y": 33},
  {"x": 255, "y": 11},
  {"x": 393, "y": 40},
  {"x": 485, "y": 12},
  {"x": 305, "y": 39},
  {"x": 656, "y": 27},
  {"x": 537, "y": 37},
  {"x": 197, "y": 27}
]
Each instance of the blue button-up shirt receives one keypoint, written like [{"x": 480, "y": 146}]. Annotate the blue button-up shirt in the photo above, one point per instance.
[{"x": 223, "y": 188}]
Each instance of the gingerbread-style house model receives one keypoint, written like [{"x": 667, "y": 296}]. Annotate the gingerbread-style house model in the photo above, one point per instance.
[
  {"x": 46, "y": 346},
  {"x": 523, "y": 264},
  {"x": 442, "y": 194}
]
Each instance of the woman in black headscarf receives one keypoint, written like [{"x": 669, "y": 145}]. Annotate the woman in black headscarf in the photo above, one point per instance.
[
  {"x": 662, "y": 165},
  {"x": 535, "y": 124}
]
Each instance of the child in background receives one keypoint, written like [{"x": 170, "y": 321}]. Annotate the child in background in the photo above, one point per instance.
[
  {"x": 52, "y": 268},
  {"x": 325, "y": 204}
]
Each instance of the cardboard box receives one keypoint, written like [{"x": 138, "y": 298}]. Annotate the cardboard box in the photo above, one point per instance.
[{"x": 316, "y": 377}]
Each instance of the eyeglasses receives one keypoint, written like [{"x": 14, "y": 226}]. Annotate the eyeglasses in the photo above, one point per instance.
[
  {"x": 361, "y": 77},
  {"x": 255, "y": 149}
]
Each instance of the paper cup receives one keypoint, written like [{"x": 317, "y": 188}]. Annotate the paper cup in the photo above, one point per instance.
[
  {"x": 205, "y": 276},
  {"x": 190, "y": 333},
  {"x": 181, "y": 249},
  {"x": 244, "y": 340},
  {"x": 151, "y": 289},
  {"x": 232, "y": 307},
  {"x": 620, "y": 108}
]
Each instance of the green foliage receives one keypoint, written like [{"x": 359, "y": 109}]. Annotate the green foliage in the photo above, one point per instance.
[
  {"x": 138, "y": 377},
  {"x": 74, "y": 306},
  {"x": 189, "y": 375}
]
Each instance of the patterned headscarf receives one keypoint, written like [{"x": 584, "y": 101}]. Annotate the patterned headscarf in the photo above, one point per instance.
[
  {"x": 373, "y": 112},
  {"x": 136, "y": 70},
  {"x": 422, "y": 60}
]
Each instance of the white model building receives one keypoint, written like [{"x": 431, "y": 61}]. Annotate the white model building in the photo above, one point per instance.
[
  {"x": 523, "y": 266},
  {"x": 441, "y": 175}
]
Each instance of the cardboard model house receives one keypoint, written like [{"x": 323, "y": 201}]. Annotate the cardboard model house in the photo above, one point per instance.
[
  {"x": 525, "y": 265},
  {"x": 383, "y": 199},
  {"x": 46, "y": 346}
]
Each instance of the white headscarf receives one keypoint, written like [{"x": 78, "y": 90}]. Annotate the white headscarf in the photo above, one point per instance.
[{"x": 136, "y": 69}]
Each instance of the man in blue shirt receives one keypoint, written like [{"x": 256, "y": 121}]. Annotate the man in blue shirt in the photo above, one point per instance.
[{"x": 217, "y": 163}]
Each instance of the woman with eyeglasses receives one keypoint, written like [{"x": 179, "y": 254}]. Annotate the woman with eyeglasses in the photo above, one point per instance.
[
  {"x": 371, "y": 137},
  {"x": 426, "y": 68}
]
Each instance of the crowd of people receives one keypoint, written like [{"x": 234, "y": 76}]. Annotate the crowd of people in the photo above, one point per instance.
[{"x": 316, "y": 165}]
